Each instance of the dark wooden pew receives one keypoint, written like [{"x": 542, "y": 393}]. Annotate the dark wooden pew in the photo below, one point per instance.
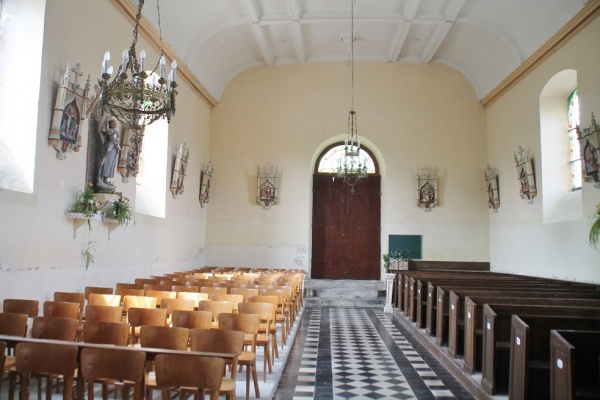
[
  {"x": 497, "y": 323},
  {"x": 574, "y": 364},
  {"x": 439, "y": 305},
  {"x": 461, "y": 314},
  {"x": 530, "y": 352}
]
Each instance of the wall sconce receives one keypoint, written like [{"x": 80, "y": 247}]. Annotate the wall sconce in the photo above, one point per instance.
[
  {"x": 427, "y": 188},
  {"x": 267, "y": 188},
  {"x": 206, "y": 183},
  {"x": 589, "y": 145},
  {"x": 491, "y": 182},
  {"x": 525, "y": 174}
]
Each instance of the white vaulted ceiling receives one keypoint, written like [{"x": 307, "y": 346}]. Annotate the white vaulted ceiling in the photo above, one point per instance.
[{"x": 485, "y": 40}]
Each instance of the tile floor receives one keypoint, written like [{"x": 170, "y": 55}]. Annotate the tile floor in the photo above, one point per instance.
[{"x": 361, "y": 353}]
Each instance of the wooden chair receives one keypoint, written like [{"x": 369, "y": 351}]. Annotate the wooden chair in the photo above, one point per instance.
[
  {"x": 213, "y": 290},
  {"x": 246, "y": 292},
  {"x": 220, "y": 341},
  {"x": 274, "y": 300},
  {"x": 13, "y": 324},
  {"x": 247, "y": 323},
  {"x": 235, "y": 299},
  {"x": 265, "y": 314},
  {"x": 4, "y": 363},
  {"x": 96, "y": 290},
  {"x": 216, "y": 308},
  {"x": 185, "y": 288},
  {"x": 161, "y": 337},
  {"x": 138, "y": 302},
  {"x": 192, "y": 319},
  {"x": 101, "y": 365},
  {"x": 115, "y": 333},
  {"x": 21, "y": 306},
  {"x": 100, "y": 299},
  {"x": 204, "y": 373},
  {"x": 176, "y": 304},
  {"x": 45, "y": 359},
  {"x": 144, "y": 316},
  {"x": 282, "y": 315}
]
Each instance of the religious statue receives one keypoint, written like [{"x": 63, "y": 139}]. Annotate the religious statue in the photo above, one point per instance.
[{"x": 109, "y": 136}]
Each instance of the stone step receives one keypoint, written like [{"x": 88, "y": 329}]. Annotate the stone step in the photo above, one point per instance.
[
  {"x": 344, "y": 293},
  {"x": 328, "y": 302}
]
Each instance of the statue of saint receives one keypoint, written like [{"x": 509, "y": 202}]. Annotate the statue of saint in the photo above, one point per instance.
[{"x": 109, "y": 135}]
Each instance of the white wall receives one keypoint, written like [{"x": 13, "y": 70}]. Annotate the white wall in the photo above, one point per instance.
[
  {"x": 286, "y": 115},
  {"x": 40, "y": 250},
  {"x": 520, "y": 241}
]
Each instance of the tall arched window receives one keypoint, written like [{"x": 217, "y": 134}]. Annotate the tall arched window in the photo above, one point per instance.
[{"x": 575, "y": 154}]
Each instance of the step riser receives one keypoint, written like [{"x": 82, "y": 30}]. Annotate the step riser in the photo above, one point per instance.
[
  {"x": 368, "y": 303},
  {"x": 344, "y": 293}
]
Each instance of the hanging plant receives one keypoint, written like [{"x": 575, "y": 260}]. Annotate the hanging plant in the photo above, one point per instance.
[
  {"x": 85, "y": 206},
  {"x": 120, "y": 211},
  {"x": 88, "y": 254},
  {"x": 594, "y": 236}
]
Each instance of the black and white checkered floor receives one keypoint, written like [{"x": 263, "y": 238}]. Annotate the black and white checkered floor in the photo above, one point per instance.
[{"x": 361, "y": 353}]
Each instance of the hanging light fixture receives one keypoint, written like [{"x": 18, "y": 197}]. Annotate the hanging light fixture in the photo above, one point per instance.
[
  {"x": 352, "y": 167},
  {"x": 132, "y": 100}
]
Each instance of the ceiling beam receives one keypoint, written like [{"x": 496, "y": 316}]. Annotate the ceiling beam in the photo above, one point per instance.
[
  {"x": 297, "y": 30},
  {"x": 410, "y": 10},
  {"x": 452, "y": 10},
  {"x": 258, "y": 33}
]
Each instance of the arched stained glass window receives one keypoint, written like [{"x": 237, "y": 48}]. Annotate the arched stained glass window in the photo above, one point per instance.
[
  {"x": 328, "y": 163},
  {"x": 574, "y": 152}
]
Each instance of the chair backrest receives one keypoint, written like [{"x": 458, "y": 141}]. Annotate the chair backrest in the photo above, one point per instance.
[
  {"x": 206, "y": 373},
  {"x": 161, "y": 294},
  {"x": 13, "y": 324},
  {"x": 164, "y": 337},
  {"x": 246, "y": 292},
  {"x": 104, "y": 299},
  {"x": 138, "y": 302},
  {"x": 96, "y": 289},
  {"x": 213, "y": 290},
  {"x": 193, "y": 296},
  {"x": 216, "y": 307},
  {"x": 192, "y": 319},
  {"x": 265, "y": 311},
  {"x": 21, "y": 306},
  {"x": 47, "y": 358},
  {"x": 185, "y": 288},
  {"x": 56, "y": 328},
  {"x": 115, "y": 364},
  {"x": 247, "y": 323},
  {"x": 177, "y": 304},
  {"x": 142, "y": 281},
  {"x": 218, "y": 341},
  {"x": 129, "y": 292},
  {"x": 157, "y": 287},
  {"x": 146, "y": 316},
  {"x": 62, "y": 309},
  {"x": 235, "y": 299},
  {"x": 115, "y": 333},
  {"x": 122, "y": 285},
  {"x": 95, "y": 312},
  {"x": 72, "y": 297}
]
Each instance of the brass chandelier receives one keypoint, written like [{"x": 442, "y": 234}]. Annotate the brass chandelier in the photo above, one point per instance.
[
  {"x": 133, "y": 98},
  {"x": 352, "y": 168}
]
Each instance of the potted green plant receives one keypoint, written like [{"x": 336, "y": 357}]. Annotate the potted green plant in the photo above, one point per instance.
[
  {"x": 120, "y": 211},
  {"x": 396, "y": 260},
  {"x": 594, "y": 236},
  {"x": 85, "y": 206}
]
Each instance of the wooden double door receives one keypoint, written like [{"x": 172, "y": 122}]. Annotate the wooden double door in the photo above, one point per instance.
[{"x": 346, "y": 229}]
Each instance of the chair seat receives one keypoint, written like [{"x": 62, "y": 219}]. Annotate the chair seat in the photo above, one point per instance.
[
  {"x": 9, "y": 362},
  {"x": 227, "y": 386},
  {"x": 246, "y": 357}
]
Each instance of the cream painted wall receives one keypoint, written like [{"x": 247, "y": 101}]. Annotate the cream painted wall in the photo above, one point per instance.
[
  {"x": 409, "y": 116},
  {"x": 520, "y": 242},
  {"x": 40, "y": 250}
]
